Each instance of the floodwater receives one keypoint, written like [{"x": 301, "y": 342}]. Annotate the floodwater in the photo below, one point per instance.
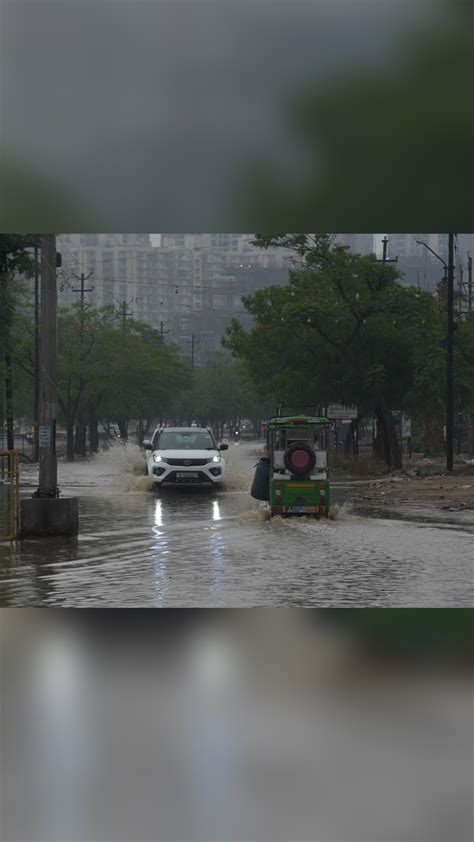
[{"x": 140, "y": 548}]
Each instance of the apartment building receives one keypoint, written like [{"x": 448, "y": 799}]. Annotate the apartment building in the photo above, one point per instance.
[
  {"x": 360, "y": 243},
  {"x": 187, "y": 284},
  {"x": 118, "y": 268}
]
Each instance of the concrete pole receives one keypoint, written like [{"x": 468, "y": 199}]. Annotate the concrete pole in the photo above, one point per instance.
[
  {"x": 469, "y": 284},
  {"x": 37, "y": 360},
  {"x": 48, "y": 470},
  {"x": 449, "y": 360}
]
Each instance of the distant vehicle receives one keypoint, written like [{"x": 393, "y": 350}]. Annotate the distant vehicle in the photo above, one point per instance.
[{"x": 185, "y": 456}]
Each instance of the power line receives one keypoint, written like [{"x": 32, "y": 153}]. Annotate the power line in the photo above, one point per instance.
[{"x": 178, "y": 285}]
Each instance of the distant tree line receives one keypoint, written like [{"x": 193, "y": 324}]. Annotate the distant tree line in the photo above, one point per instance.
[{"x": 111, "y": 371}]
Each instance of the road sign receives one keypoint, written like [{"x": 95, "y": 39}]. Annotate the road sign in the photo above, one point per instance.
[
  {"x": 341, "y": 413},
  {"x": 45, "y": 436}
]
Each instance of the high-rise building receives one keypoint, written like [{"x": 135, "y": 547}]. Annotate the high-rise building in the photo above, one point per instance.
[
  {"x": 182, "y": 284},
  {"x": 209, "y": 273},
  {"x": 124, "y": 267},
  {"x": 360, "y": 243}
]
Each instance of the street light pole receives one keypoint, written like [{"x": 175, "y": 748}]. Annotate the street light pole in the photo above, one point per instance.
[
  {"x": 449, "y": 357},
  {"x": 48, "y": 469},
  {"x": 449, "y": 275},
  {"x": 37, "y": 356},
  {"x": 469, "y": 283}
]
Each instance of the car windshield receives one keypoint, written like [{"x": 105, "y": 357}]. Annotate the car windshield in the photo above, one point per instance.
[{"x": 186, "y": 441}]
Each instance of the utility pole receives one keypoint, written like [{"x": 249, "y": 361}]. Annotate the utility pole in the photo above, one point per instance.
[
  {"x": 48, "y": 469},
  {"x": 449, "y": 277},
  {"x": 449, "y": 357},
  {"x": 469, "y": 283},
  {"x": 82, "y": 291},
  {"x": 385, "y": 259},
  {"x": 125, "y": 313},
  {"x": 45, "y": 513},
  {"x": 81, "y": 429},
  {"x": 193, "y": 342},
  {"x": 37, "y": 357}
]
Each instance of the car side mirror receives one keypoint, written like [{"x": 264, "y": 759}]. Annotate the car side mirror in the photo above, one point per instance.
[
  {"x": 223, "y": 447},
  {"x": 147, "y": 445}
]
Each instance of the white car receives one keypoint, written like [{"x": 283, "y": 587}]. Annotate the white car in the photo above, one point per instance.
[{"x": 185, "y": 456}]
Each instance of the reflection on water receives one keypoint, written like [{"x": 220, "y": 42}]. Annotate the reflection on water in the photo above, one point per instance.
[
  {"x": 158, "y": 513},
  {"x": 196, "y": 549}
]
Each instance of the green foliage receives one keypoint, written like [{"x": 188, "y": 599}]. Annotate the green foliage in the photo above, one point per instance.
[
  {"x": 344, "y": 330},
  {"x": 15, "y": 262},
  {"x": 222, "y": 392},
  {"x": 112, "y": 373}
]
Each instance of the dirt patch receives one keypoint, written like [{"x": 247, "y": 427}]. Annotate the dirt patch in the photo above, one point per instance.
[{"x": 443, "y": 490}]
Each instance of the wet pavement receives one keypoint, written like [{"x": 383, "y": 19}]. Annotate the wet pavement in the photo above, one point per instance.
[{"x": 171, "y": 548}]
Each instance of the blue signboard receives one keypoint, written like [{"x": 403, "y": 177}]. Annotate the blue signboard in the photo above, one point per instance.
[{"x": 45, "y": 436}]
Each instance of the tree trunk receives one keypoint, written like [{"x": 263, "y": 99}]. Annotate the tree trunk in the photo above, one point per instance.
[
  {"x": 123, "y": 427},
  {"x": 70, "y": 441},
  {"x": 83, "y": 440},
  {"x": 355, "y": 437},
  {"x": 348, "y": 441},
  {"x": 379, "y": 451},
  {"x": 93, "y": 434},
  {"x": 389, "y": 440},
  {"x": 77, "y": 439},
  {"x": 9, "y": 402},
  {"x": 80, "y": 439}
]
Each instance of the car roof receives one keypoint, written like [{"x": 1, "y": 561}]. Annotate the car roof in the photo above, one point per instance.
[{"x": 183, "y": 430}]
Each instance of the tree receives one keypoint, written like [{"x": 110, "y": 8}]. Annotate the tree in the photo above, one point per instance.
[
  {"x": 111, "y": 372},
  {"x": 15, "y": 260},
  {"x": 342, "y": 330}
]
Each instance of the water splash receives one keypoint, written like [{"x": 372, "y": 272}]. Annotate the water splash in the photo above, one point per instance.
[
  {"x": 235, "y": 481},
  {"x": 258, "y": 514},
  {"x": 337, "y": 512},
  {"x": 122, "y": 457},
  {"x": 121, "y": 467},
  {"x": 131, "y": 482},
  {"x": 261, "y": 514}
]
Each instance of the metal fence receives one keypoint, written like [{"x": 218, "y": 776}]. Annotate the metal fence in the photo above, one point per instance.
[{"x": 9, "y": 494}]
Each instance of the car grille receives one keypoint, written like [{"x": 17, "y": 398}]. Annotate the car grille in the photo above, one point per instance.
[
  {"x": 187, "y": 463},
  {"x": 202, "y": 477}
]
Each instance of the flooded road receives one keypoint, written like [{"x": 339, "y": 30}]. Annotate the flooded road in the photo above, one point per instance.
[{"x": 139, "y": 548}]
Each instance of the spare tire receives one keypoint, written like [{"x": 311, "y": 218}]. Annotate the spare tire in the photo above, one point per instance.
[{"x": 300, "y": 459}]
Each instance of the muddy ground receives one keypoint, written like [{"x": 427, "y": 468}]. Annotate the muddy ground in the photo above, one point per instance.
[{"x": 443, "y": 490}]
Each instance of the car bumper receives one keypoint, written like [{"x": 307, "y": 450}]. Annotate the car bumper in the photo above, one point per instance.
[{"x": 186, "y": 477}]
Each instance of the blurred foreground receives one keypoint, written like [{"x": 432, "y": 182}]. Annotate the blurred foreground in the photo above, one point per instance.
[
  {"x": 257, "y": 725},
  {"x": 213, "y": 116}
]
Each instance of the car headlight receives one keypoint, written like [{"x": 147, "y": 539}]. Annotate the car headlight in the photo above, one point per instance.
[
  {"x": 157, "y": 458},
  {"x": 216, "y": 458}
]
